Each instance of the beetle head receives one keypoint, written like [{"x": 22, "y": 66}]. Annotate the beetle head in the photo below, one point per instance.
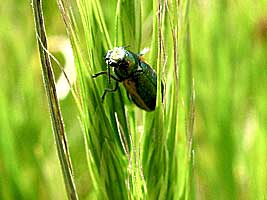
[
  {"x": 115, "y": 56},
  {"x": 125, "y": 62}
]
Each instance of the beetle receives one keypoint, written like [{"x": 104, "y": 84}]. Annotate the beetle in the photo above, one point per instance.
[{"x": 139, "y": 79}]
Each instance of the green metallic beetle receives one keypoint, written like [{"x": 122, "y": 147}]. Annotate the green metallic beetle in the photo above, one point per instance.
[{"x": 139, "y": 79}]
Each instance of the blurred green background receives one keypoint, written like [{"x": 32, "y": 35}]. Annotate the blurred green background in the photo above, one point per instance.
[{"x": 229, "y": 58}]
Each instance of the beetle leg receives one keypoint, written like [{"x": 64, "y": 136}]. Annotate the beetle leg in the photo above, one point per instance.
[
  {"x": 106, "y": 73},
  {"x": 99, "y": 73},
  {"x": 109, "y": 90}
]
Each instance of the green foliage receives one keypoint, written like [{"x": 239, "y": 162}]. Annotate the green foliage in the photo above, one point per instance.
[
  {"x": 26, "y": 141},
  {"x": 132, "y": 154},
  {"x": 230, "y": 80}
]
